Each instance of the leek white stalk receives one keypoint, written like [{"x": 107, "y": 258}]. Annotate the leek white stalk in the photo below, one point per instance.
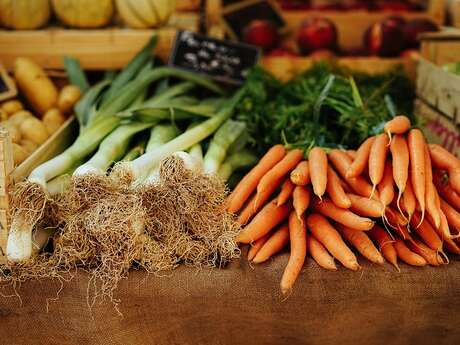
[
  {"x": 111, "y": 149},
  {"x": 196, "y": 150},
  {"x": 235, "y": 161},
  {"x": 225, "y": 136}
]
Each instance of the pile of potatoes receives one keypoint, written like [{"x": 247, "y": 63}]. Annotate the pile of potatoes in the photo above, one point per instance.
[{"x": 49, "y": 108}]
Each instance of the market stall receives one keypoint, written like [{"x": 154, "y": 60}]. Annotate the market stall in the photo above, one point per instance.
[{"x": 229, "y": 172}]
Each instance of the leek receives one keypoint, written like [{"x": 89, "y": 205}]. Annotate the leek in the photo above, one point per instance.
[
  {"x": 160, "y": 135},
  {"x": 196, "y": 150},
  {"x": 236, "y": 161},
  {"x": 137, "y": 150},
  {"x": 225, "y": 136}
]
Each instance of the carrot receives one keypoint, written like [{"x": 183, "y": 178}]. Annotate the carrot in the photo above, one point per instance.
[
  {"x": 358, "y": 184},
  {"x": 431, "y": 203},
  {"x": 406, "y": 255},
  {"x": 446, "y": 191},
  {"x": 268, "y": 218},
  {"x": 362, "y": 157},
  {"x": 453, "y": 217},
  {"x": 320, "y": 254},
  {"x": 444, "y": 229},
  {"x": 249, "y": 182},
  {"x": 300, "y": 200},
  {"x": 335, "y": 190},
  {"x": 385, "y": 245},
  {"x": 286, "y": 191},
  {"x": 430, "y": 256},
  {"x": 398, "y": 125},
  {"x": 362, "y": 243},
  {"x": 394, "y": 218},
  {"x": 342, "y": 216},
  {"x": 273, "y": 245},
  {"x": 416, "y": 143},
  {"x": 426, "y": 232},
  {"x": 364, "y": 206},
  {"x": 409, "y": 202},
  {"x": 386, "y": 186},
  {"x": 281, "y": 169},
  {"x": 317, "y": 165},
  {"x": 298, "y": 240},
  {"x": 451, "y": 246},
  {"x": 255, "y": 247},
  {"x": 443, "y": 159},
  {"x": 351, "y": 154},
  {"x": 256, "y": 202},
  {"x": 300, "y": 176},
  {"x": 377, "y": 158},
  {"x": 331, "y": 239},
  {"x": 400, "y": 156}
]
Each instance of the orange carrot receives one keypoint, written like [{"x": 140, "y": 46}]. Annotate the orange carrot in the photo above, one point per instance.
[
  {"x": 267, "y": 219},
  {"x": 395, "y": 218},
  {"x": 256, "y": 202},
  {"x": 320, "y": 254},
  {"x": 406, "y": 255},
  {"x": 451, "y": 246},
  {"x": 430, "y": 192},
  {"x": 426, "y": 232},
  {"x": 300, "y": 200},
  {"x": 446, "y": 191},
  {"x": 377, "y": 158},
  {"x": 300, "y": 176},
  {"x": 335, "y": 190},
  {"x": 342, "y": 162},
  {"x": 453, "y": 217},
  {"x": 273, "y": 245},
  {"x": 409, "y": 202},
  {"x": 416, "y": 143},
  {"x": 351, "y": 154},
  {"x": 298, "y": 239},
  {"x": 386, "y": 186},
  {"x": 385, "y": 244},
  {"x": 317, "y": 165},
  {"x": 430, "y": 256},
  {"x": 249, "y": 182},
  {"x": 342, "y": 216},
  {"x": 331, "y": 239},
  {"x": 400, "y": 156},
  {"x": 443, "y": 159},
  {"x": 281, "y": 169},
  {"x": 364, "y": 206},
  {"x": 286, "y": 191},
  {"x": 398, "y": 125},
  {"x": 255, "y": 247},
  {"x": 362, "y": 243},
  {"x": 362, "y": 157}
]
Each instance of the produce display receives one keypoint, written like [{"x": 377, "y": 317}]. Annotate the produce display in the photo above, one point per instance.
[
  {"x": 395, "y": 198},
  {"x": 49, "y": 108}
]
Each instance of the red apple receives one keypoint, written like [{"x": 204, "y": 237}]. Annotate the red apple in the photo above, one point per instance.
[
  {"x": 385, "y": 38},
  {"x": 315, "y": 34},
  {"x": 261, "y": 33},
  {"x": 416, "y": 27}
]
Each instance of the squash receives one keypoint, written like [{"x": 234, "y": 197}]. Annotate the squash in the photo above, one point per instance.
[
  {"x": 145, "y": 13},
  {"x": 84, "y": 13},
  {"x": 24, "y": 14}
]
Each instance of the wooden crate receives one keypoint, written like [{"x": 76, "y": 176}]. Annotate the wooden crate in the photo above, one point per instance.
[
  {"x": 9, "y": 174},
  {"x": 285, "y": 68},
  {"x": 441, "y": 47}
]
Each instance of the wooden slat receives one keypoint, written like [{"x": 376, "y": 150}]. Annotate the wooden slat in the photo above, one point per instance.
[{"x": 6, "y": 166}]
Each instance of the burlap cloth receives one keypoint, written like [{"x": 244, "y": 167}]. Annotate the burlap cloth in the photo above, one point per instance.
[{"x": 241, "y": 305}]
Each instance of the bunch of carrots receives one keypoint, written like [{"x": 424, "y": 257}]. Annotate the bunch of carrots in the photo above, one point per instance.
[{"x": 396, "y": 197}]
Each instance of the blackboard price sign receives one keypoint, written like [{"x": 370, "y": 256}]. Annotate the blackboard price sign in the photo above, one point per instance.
[
  {"x": 7, "y": 87},
  {"x": 223, "y": 61}
]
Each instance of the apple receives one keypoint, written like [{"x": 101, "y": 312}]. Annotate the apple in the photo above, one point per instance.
[
  {"x": 315, "y": 34},
  {"x": 262, "y": 33}
]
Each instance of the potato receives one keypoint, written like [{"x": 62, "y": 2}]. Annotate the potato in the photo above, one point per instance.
[
  {"x": 28, "y": 145},
  {"x": 69, "y": 95},
  {"x": 53, "y": 120},
  {"x": 3, "y": 115},
  {"x": 34, "y": 130},
  {"x": 12, "y": 106},
  {"x": 32, "y": 81},
  {"x": 19, "y": 154},
  {"x": 18, "y": 117},
  {"x": 15, "y": 134}
]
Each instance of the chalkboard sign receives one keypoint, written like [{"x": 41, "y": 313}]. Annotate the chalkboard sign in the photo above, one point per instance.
[
  {"x": 238, "y": 16},
  {"x": 224, "y": 61},
  {"x": 7, "y": 87}
]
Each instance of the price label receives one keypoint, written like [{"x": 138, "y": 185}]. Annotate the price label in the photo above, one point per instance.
[{"x": 221, "y": 60}]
